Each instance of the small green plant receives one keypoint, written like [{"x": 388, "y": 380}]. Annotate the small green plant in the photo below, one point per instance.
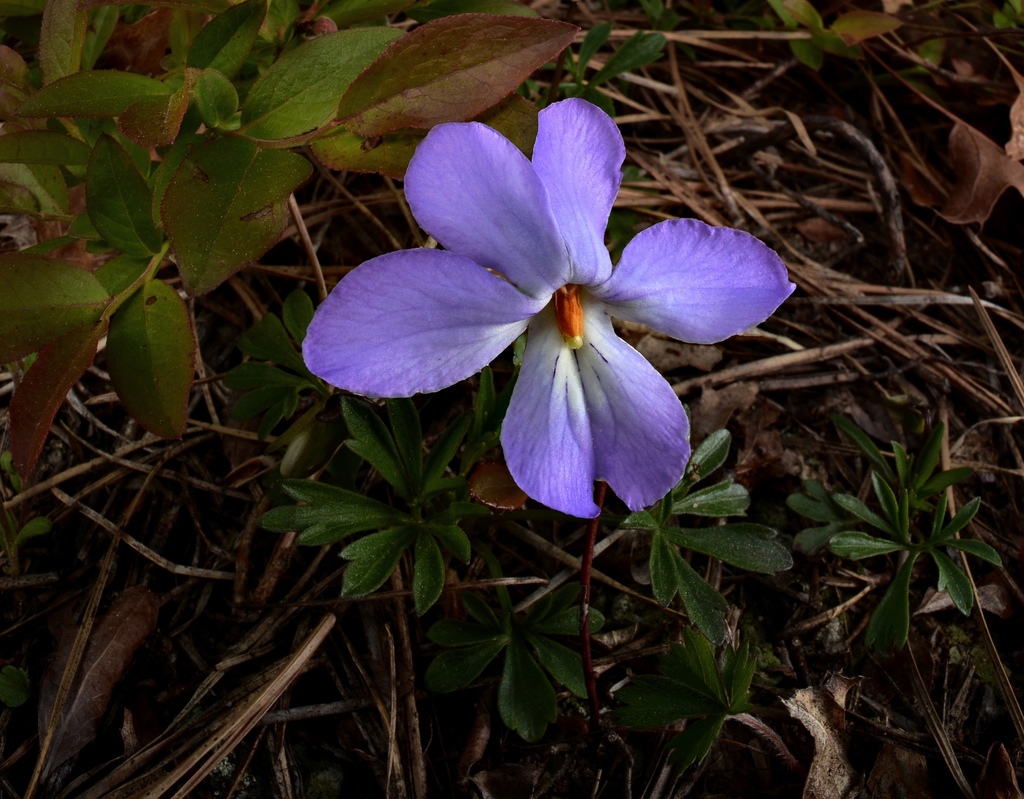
[
  {"x": 842, "y": 38},
  {"x": 13, "y": 534},
  {"x": 14, "y": 686},
  {"x": 748, "y": 546},
  {"x": 526, "y": 697},
  {"x": 912, "y": 521},
  {"x": 636, "y": 52},
  {"x": 691, "y": 686}
]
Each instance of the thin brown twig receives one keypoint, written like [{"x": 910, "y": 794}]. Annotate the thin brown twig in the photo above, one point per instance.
[{"x": 307, "y": 244}]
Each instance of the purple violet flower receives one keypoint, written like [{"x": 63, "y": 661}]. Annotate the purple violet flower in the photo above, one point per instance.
[{"x": 524, "y": 250}]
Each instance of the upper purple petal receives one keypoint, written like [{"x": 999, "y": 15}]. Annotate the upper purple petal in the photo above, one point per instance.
[
  {"x": 546, "y": 432},
  {"x": 639, "y": 427},
  {"x": 578, "y": 155},
  {"x": 695, "y": 282},
  {"x": 479, "y": 196},
  {"x": 413, "y": 321}
]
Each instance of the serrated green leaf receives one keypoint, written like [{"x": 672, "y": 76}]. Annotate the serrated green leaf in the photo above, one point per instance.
[
  {"x": 694, "y": 743},
  {"x": 301, "y": 90},
  {"x": 374, "y": 557},
  {"x": 297, "y": 313},
  {"x": 268, "y": 341},
  {"x": 225, "y": 41},
  {"x": 372, "y": 441},
  {"x": 526, "y": 699},
  {"x": 704, "y": 605},
  {"x": 748, "y": 546},
  {"x": 954, "y": 581},
  {"x": 119, "y": 201},
  {"x": 638, "y": 51},
  {"x": 151, "y": 357},
  {"x": 42, "y": 300},
  {"x": 428, "y": 573},
  {"x": 737, "y": 672},
  {"x": 94, "y": 93},
  {"x": 43, "y": 147},
  {"x": 724, "y": 499},
  {"x": 457, "y": 668},
  {"x": 564, "y": 665},
  {"x": 890, "y": 623},
  {"x": 225, "y": 206},
  {"x": 449, "y": 69},
  {"x": 408, "y": 437}
]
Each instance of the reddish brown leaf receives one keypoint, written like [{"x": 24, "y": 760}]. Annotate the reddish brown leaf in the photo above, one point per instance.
[
  {"x": 155, "y": 121},
  {"x": 43, "y": 389},
  {"x": 492, "y": 484},
  {"x": 998, "y": 779},
  {"x": 141, "y": 46},
  {"x": 983, "y": 171},
  {"x": 115, "y": 639}
]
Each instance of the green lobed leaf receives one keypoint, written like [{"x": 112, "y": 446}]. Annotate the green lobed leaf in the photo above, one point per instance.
[
  {"x": 42, "y": 147},
  {"x": 226, "y": 40},
  {"x": 268, "y": 340},
  {"x": 43, "y": 388},
  {"x": 961, "y": 520},
  {"x": 42, "y": 300},
  {"x": 372, "y": 441},
  {"x": 863, "y": 442},
  {"x": 704, "y": 605},
  {"x": 374, "y": 557},
  {"x": 660, "y": 701},
  {"x": 297, "y": 313},
  {"x": 977, "y": 548},
  {"x": 225, "y": 206},
  {"x": 119, "y": 202},
  {"x": 638, "y": 51},
  {"x": 864, "y": 513},
  {"x": 694, "y": 743},
  {"x": 34, "y": 189},
  {"x": 331, "y": 513},
  {"x": 890, "y": 623},
  {"x": 737, "y": 672},
  {"x": 861, "y": 545},
  {"x": 408, "y": 437},
  {"x": 526, "y": 699},
  {"x": 748, "y": 546},
  {"x": 564, "y": 665},
  {"x": 300, "y": 92},
  {"x": 94, "y": 93},
  {"x": 151, "y": 355},
  {"x": 456, "y": 669},
  {"x": 709, "y": 456},
  {"x": 450, "y": 69},
  {"x": 954, "y": 581},
  {"x": 724, "y": 499},
  {"x": 428, "y": 573}
]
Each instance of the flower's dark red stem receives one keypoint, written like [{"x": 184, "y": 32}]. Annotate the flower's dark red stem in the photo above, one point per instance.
[{"x": 585, "y": 569}]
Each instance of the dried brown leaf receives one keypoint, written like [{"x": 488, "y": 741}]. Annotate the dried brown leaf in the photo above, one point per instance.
[
  {"x": 492, "y": 484},
  {"x": 998, "y": 780},
  {"x": 899, "y": 773},
  {"x": 115, "y": 639},
  {"x": 823, "y": 712},
  {"x": 668, "y": 354},
  {"x": 1015, "y": 146},
  {"x": 983, "y": 171}
]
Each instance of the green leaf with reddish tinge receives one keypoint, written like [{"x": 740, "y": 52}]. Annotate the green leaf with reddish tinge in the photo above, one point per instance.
[
  {"x": 43, "y": 388},
  {"x": 36, "y": 189},
  {"x": 151, "y": 356},
  {"x": 61, "y": 37},
  {"x": 225, "y": 207},
  {"x": 42, "y": 147},
  {"x": 43, "y": 299},
  {"x": 450, "y": 69},
  {"x": 119, "y": 202},
  {"x": 386, "y": 155},
  {"x": 226, "y": 40},
  {"x": 300, "y": 92},
  {"x": 96, "y": 93},
  {"x": 154, "y": 121},
  {"x": 856, "y": 26}
]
